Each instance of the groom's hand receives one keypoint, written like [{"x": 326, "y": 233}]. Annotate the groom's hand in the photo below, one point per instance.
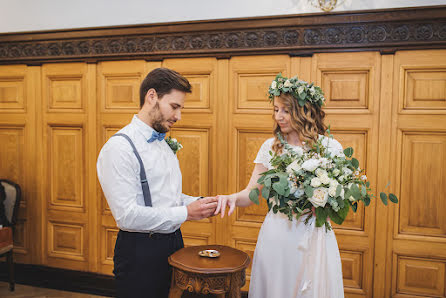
[{"x": 202, "y": 208}]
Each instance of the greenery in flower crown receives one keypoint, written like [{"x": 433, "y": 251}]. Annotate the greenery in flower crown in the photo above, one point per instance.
[{"x": 299, "y": 89}]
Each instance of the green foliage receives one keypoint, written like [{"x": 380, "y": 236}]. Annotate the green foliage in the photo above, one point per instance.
[{"x": 254, "y": 196}]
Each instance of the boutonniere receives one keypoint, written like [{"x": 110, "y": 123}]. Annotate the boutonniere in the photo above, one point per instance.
[{"x": 174, "y": 144}]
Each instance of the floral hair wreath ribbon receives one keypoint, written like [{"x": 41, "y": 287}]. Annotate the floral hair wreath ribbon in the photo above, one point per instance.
[{"x": 299, "y": 89}]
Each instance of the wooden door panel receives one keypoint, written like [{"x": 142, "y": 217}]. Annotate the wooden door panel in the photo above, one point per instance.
[
  {"x": 118, "y": 99},
  {"x": 197, "y": 133},
  {"x": 351, "y": 86},
  {"x": 418, "y": 225},
  {"x": 68, "y": 125}
]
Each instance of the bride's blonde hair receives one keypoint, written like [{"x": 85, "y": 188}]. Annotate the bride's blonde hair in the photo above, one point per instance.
[{"x": 307, "y": 121}]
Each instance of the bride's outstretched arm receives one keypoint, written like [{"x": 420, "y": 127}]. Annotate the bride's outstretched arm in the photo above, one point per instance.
[{"x": 240, "y": 199}]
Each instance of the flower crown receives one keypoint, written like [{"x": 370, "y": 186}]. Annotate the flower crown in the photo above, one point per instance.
[{"x": 300, "y": 90}]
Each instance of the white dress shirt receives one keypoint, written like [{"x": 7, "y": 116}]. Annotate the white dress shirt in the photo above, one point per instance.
[{"x": 118, "y": 172}]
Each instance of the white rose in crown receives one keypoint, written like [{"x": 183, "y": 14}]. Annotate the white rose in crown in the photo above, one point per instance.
[
  {"x": 274, "y": 85},
  {"x": 287, "y": 84},
  {"x": 320, "y": 197},
  {"x": 311, "y": 165}
]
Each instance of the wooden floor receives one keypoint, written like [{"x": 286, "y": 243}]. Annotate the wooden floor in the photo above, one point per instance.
[{"x": 24, "y": 291}]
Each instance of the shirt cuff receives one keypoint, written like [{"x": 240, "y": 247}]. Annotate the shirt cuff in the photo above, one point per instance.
[{"x": 179, "y": 214}]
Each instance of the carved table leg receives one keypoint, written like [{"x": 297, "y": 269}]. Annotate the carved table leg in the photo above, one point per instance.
[
  {"x": 175, "y": 291},
  {"x": 237, "y": 281}
]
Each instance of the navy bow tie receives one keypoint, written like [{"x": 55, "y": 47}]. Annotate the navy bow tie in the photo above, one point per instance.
[{"x": 156, "y": 136}]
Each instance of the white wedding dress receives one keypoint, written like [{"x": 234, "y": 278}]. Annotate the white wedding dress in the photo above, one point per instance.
[{"x": 293, "y": 259}]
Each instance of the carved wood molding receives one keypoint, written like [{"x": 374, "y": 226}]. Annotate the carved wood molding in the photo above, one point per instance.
[{"x": 384, "y": 30}]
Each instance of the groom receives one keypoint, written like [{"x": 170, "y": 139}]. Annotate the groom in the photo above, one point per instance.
[{"x": 141, "y": 180}]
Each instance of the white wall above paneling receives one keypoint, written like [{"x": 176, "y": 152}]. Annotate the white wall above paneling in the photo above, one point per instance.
[{"x": 33, "y": 15}]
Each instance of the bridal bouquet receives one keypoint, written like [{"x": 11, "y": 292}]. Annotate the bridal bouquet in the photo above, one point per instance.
[{"x": 303, "y": 178}]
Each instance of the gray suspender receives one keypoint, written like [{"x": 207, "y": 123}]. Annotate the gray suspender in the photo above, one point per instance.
[{"x": 142, "y": 174}]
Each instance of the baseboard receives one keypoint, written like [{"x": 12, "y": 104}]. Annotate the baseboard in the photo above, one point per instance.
[
  {"x": 60, "y": 279},
  {"x": 69, "y": 280}
]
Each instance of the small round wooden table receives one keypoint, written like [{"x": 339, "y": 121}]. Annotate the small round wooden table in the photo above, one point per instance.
[{"x": 223, "y": 276}]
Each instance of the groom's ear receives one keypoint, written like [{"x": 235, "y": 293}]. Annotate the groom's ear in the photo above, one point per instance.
[{"x": 151, "y": 97}]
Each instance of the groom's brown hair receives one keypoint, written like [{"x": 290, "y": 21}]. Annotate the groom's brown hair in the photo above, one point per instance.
[{"x": 163, "y": 80}]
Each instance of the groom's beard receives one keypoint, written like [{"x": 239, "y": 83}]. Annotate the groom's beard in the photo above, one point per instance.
[{"x": 158, "y": 120}]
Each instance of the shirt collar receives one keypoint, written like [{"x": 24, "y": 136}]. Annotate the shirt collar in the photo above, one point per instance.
[{"x": 142, "y": 127}]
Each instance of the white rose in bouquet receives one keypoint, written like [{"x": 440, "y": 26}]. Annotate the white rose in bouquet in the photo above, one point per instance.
[
  {"x": 324, "y": 162},
  {"x": 333, "y": 183},
  {"x": 338, "y": 153},
  {"x": 319, "y": 198},
  {"x": 336, "y": 172},
  {"x": 299, "y": 151},
  {"x": 320, "y": 172},
  {"x": 294, "y": 166},
  {"x": 347, "y": 171},
  {"x": 315, "y": 182},
  {"x": 311, "y": 164},
  {"x": 332, "y": 191},
  {"x": 324, "y": 179}
]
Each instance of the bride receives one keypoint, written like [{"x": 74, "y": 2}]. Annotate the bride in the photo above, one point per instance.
[{"x": 291, "y": 259}]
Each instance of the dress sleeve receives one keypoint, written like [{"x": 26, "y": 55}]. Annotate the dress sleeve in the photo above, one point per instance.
[{"x": 263, "y": 156}]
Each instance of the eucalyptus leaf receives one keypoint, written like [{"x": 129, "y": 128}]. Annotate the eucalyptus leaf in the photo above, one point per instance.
[
  {"x": 355, "y": 163},
  {"x": 279, "y": 188},
  {"x": 348, "y": 151},
  {"x": 268, "y": 182},
  {"x": 366, "y": 200},
  {"x": 343, "y": 212},
  {"x": 338, "y": 190},
  {"x": 393, "y": 198},
  {"x": 265, "y": 192},
  {"x": 321, "y": 216},
  {"x": 309, "y": 191},
  {"x": 340, "y": 202},
  {"x": 383, "y": 197},
  {"x": 363, "y": 191},
  {"x": 254, "y": 195},
  {"x": 335, "y": 217}
]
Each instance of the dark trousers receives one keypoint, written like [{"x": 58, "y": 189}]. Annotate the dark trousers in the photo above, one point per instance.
[{"x": 141, "y": 267}]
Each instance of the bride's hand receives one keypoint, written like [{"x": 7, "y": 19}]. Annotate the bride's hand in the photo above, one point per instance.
[{"x": 223, "y": 200}]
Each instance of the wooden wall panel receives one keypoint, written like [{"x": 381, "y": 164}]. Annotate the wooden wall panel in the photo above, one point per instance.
[
  {"x": 17, "y": 150},
  {"x": 389, "y": 108}
]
